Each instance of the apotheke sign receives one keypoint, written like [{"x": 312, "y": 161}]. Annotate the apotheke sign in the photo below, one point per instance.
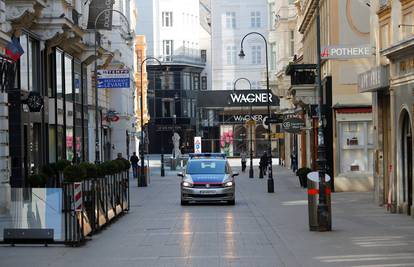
[
  {"x": 250, "y": 98},
  {"x": 345, "y": 51}
]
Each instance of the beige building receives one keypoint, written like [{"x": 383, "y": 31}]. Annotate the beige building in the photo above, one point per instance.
[
  {"x": 391, "y": 81},
  {"x": 345, "y": 52},
  {"x": 140, "y": 52}
]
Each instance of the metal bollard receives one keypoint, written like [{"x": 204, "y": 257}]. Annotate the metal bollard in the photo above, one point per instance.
[
  {"x": 162, "y": 166},
  {"x": 313, "y": 199}
]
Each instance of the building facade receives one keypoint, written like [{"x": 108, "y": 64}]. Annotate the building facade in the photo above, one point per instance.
[
  {"x": 225, "y": 127},
  {"x": 391, "y": 81},
  {"x": 172, "y": 31},
  {"x": 56, "y": 69},
  {"x": 345, "y": 52}
]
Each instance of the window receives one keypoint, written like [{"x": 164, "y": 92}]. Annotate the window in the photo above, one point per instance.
[
  {"x": 292, "y": 43},
  {"x": 186, "y": 81},
  {"x": 230, "y": 20},
  {"x": 256, "y": 54},
  {"x": 273, "y": 55},
  {"x": 203, "y": 83},
  {"x": 231, "y": 55},
  {"x": 203, "y": 55},
  {"x": 407, "y": 19},
  {"x": 196, "y": 82},
  {"x": 272, "y": 16},
  {"x": 384, "y": 36},
  {"x": 29, "y": 64},
  {"x": 59, "y": 74},
  {"x": 167, "y": 108},
  {"x": 167, "y": 19},
  {"x": 255, "y": 21},
  {"x": 167, "y": 49},
  {"x": 68, "y": 79}
]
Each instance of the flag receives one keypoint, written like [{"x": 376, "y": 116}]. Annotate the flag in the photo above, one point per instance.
[{"x": 13, "y": 49}]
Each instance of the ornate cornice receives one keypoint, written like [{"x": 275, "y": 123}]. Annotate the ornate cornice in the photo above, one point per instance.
[{"x": 23, "y": 13}]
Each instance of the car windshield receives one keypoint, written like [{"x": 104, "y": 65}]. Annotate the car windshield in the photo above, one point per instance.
[{"x": 206, "y": 167}]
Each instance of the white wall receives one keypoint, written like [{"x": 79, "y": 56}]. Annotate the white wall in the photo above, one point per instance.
[{"x": 223, "y": 74}]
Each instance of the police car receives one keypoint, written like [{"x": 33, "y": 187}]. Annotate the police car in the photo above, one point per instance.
[{"x": 208, "y": 177}]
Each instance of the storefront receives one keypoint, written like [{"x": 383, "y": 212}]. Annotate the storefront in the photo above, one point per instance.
[{"x": 234, "y": 121}]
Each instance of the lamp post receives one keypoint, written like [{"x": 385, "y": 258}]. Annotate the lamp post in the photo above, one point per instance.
[
  {"x": 97, "y": 153},
  {"x": 142, "y": 181},
  {"x": 251, "y": 174},
  {"x": 270, "y": 182},
  {"x": 324, "y": 218}
]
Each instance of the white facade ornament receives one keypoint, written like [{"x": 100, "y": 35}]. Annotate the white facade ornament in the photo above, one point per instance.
[{"x": 176, "y": 143}]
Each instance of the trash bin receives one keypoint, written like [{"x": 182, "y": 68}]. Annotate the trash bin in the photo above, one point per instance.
[
  {"x": 145, "y": 181},
  {"x": 173, "y": 165},
  {"x": 313, "y": 199}
]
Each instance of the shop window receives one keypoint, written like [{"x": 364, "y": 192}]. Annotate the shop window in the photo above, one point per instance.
[
  {"x": 60, "y": 140},
  {"x": 59, "y": 74},
  {"x": 356, "y": 144},
  {"x": 68, "y": 79},
  {"x": 69, "y": 143},
  {"x": 52, "y": 143}
]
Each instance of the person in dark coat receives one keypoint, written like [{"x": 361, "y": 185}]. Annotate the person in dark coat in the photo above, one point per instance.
[
  {"x": 264, "y": 162},
  {"x": 134, "y": 164}
]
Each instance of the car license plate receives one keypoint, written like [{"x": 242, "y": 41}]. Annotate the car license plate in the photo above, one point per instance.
[{"x": 207, "y": 192}]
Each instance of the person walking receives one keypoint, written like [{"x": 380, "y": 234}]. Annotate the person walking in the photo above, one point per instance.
[
  {"x": 294, "y": 161},
  {"x": 263, "y": 163},
  {"x": 243, "y": 156},
  {"x": 134, "y": 164}
]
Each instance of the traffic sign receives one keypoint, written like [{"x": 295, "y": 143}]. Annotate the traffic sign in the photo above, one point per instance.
[{"x": 197, "y": 144}]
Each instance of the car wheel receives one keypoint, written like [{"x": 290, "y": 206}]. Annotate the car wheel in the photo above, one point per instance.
[
  {"x": 231, "y": 202},
  {"x": 184, "y": 203}
]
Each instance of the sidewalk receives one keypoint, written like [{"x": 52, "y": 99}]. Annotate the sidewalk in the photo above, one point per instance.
[{"x": 262, "y": 229}]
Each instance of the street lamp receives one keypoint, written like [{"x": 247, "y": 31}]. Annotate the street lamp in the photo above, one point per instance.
[
  {"x": 324, "y": 218},
  {"x": 251, "y": 174},
  {"x": 270, "y": 183},
  {"x": 142, "y": 181},
  {"x": 97, "y": 154}
]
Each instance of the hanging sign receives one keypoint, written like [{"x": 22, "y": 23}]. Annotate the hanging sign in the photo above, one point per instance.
[
  {"x": 105, "y": 20},
  {"x": 197, "y": 144},
  {"x": 346, "y": 51},
  {"x": 113, "y": 79},
  {"x": 293, "y": 125}
]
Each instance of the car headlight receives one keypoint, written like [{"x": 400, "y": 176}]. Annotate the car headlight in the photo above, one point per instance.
[
  {"x": 228, "y": 184},
  {"x": 187, "y": 184}
]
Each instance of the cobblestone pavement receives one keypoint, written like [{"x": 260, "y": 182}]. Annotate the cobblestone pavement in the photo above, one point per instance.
[{"x": 260, "y": 230}]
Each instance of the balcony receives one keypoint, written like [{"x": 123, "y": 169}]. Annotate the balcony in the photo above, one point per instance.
[{"x": 183, "y": 56}]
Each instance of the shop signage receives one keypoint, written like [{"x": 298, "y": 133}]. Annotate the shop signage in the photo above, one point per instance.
[
  {"x": 113, "y": 78},
  {"x": 250, "y": 98},
  {"x": 167, "y": 128},
  {"x": 375, "y": 79},
  {"x": 238, "y": 98},
  {"x": 242, "y": 118},
  {"x": 105, "y": 20},
  {"x": 293, "y": 125},
  {"x": 197, "y": 144},
  {"x": 345, "y": 51},
  {"x": 34, "y": 102},
  {"x": 274, "y": 119}
]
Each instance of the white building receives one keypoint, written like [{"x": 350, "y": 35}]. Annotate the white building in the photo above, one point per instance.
[
  {"x": 172, "y": 31},
  {"x": 231, "y": 20}
]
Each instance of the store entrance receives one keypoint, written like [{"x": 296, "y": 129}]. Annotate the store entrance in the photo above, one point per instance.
[{"x": 407, "y": 161}]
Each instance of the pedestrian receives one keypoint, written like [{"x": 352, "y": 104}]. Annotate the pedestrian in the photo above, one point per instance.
[
  {"x": 243, "y": 160},
  {"x": 134, "y": 164},
  {"x": 294, "y": 162},
  {"x": 264, "y": 162}
]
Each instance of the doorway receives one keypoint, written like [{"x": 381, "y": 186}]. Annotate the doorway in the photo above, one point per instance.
[{"x": 407, "y": 161}]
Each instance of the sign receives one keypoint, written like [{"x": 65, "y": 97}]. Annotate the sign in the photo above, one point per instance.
[
  {"x": 78, "y": 196},
  {"x": 105, "y": 20},
  {"x": 346, "y": 51},
  {"x": 242, "y": 118},
  {"x": 34, "y": 101},
  {"x": 197, "y": 144},
  {"x": 293, "y": 125},
  {"x": 237, "y": 98},
  {"x": 250, "y": 98},
  {"x": 167, "y": 128},
  {"x": 274, "y": 119},
  {"x": 277, "y": 135},
  {"x": 113, "y": 78},
  {"x": 375, "y": 79}
]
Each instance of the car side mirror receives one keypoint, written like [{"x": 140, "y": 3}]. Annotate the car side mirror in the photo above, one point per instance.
[
  {"x": 235, "y": 174},
  {"x": 180, "y": 174}
]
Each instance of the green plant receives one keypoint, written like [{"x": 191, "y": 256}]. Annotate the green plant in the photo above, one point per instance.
[
  {"x": 112, "y": 167},
  {"x": 62, "y": 164},
  {"x": 74, "y": 173},
  {"x": 37, "y": 180},
  {"x": 104, "y": 169},
  {"x": 90, "y": 169},
  {"x": 126, "y": 163},
  {"x": 53, "y": 166},
  {"x": 120, "y": 165},
  {"x": 48, "y": 171}
]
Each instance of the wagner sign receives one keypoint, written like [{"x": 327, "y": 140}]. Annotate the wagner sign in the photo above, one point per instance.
[
  {"x": 240, "y": 98},
  {"x": 241, "y": 118},
  {"x": 250, "y": 98}
]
